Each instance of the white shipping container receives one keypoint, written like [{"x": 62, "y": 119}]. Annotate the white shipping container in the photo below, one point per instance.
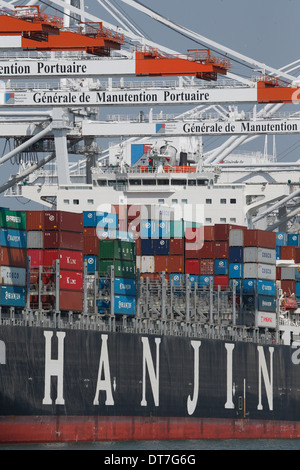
[
  {"x": 11, "y": 276},
  {"x": 35, "y": 239},
  {"x": 260, "y": 271},
  {"x": 288, "y": 274},
  {"x": 147, "y": 264},
  {"x": 253, "y": 254},
  {"x": 138, "y": 262},
  {"x": 265, "y": 320},
  {"x": 236, "y": 237}
]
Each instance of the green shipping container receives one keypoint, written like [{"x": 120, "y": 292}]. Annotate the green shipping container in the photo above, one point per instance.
[
  {"x": 12, "y": 219},
  {"x": 117, "y": 249},
  {"x": 123, "y": 268}
]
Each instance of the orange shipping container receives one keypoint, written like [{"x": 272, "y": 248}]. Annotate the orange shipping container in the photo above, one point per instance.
[
  {"x": 160, "y": 263},
  {"x": 176, "y": 246},
  {"x": 260, "y": 238},
  {"x": 176, "y": 264},
  {"x": 13, "y": 257},
  {"x": 221, "y": 250},
  {"x": 71, "y": 300},
  {"x": 35, "y": 220}
]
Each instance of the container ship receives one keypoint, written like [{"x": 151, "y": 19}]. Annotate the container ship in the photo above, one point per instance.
[
  {"x": 167, "y": 330},
  {"x": 157, "y": 294}
]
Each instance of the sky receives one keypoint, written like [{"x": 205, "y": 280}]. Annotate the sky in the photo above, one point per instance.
[{"x": 265, "y": 30}]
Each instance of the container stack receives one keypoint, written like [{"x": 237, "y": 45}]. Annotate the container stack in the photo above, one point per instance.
[
  {"x": 257, "y": 270},
  {"x": 51, "y": 236},
  {"x": 13, "y": 241},
  {"x": 63, "y": 240},
  {"x": 122, "y": 256},
  {"x": 90, "y": 241},
  {"x": 288, "y": 278}
]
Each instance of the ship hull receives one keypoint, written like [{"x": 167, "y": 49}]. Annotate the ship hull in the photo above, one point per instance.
[
  {"x": 82, "y": 385},
  {"x": 50, "y": 429}
]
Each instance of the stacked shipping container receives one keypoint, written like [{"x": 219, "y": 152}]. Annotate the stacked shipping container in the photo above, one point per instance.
[
  {"x": 58, "y": 235},
  {"x": 13, "y": 242},
  {"x": 221, "y": 254},
  {"x": 122, "y": 256}
]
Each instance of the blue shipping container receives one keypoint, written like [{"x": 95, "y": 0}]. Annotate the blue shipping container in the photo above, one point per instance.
[
  {"x": 266, "y": 303},
  {"x": 297, "y": 274},
  {"x": 13, "y": 238},
  {"x": 125, "y": 286},
  {"x": 297, "y": 289},
  {"x": 107, "y": 220},
  {"x": 104, "y": 283},
  {"x": 293, "y": 239},
  {"x": 162, "y": 228},
  {"x": 89, "y": 219},
  {"x": 249, "y": 301},
  {"x": 278, "y": 252},
  {"x": 161, "y": 246},
  {"x": 235, "y": 270},
  {"x": 124, "y": 304},
  {"x": 148, "y": 229},
  {"x": 266, "y": 287},
  {"x": 281, "y": 239},
  {"x": 177, "y": 279},
  {"x": 249, "y": 286},
  {"x": 238, "y": 285},
  {"x": 221, "y": 266},
  {"x": 235, "y": 254},
  {"x": 92, "y": 263},
  {"x": 147, "y": 246},
  {"x": 12, "y": 296},
  {"x": 205, "y": 280}
]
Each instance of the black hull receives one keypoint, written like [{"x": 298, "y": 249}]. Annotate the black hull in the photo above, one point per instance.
[{"x": 110, "y": 385}]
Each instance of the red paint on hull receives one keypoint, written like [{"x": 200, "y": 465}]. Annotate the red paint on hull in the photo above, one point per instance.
[{"x": 27, "y": 429}]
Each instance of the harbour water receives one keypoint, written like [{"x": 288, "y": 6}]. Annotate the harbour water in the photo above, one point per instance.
[{"x": 156, "y": 447}]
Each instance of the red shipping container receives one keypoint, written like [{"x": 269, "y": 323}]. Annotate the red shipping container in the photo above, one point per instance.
[
  {"x": 297, "y": 255},
  {"x": 91, "y": 246},
  {"x": 89, "y": 232},
  {"x": 206, "y": 266},
  {"x": 176, "y": 264},
  {"x": 71, "y": 300},
  {"x": 288, "y": 287},
  {"x": 35, "y": 220},
  {"x": 176, "y": 246},
  {"x": 70, "y": 280},
  {"x": 16, "y": 257},
  {"x": 36, "y": 257},
  {"x": 134, "y": 211},
  {"x": 67, "y": 221},
  {"x": 138, "y": 246},
  {"x": 207, "y": 250},
  {"x": 72, "y": 260},
  {"x": 278, "y": 273},
  {"x": 287, "y": 252},
  {"x": 193, "y": 234},
  {"x": 221, "y": 281},
  {"x": 192, "y": 266},
  {"x": 133, "y": 227},
  {"x": 209, "y": 233},
  {"x": 160, "y": 263},
  {"x": 63, "y": 239},
  {"x": 260, "y": 238},
  {"x": 192, "y": 250},
  {"x": 222, "y": 231},
  {"x": 221, "y": 250}
]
